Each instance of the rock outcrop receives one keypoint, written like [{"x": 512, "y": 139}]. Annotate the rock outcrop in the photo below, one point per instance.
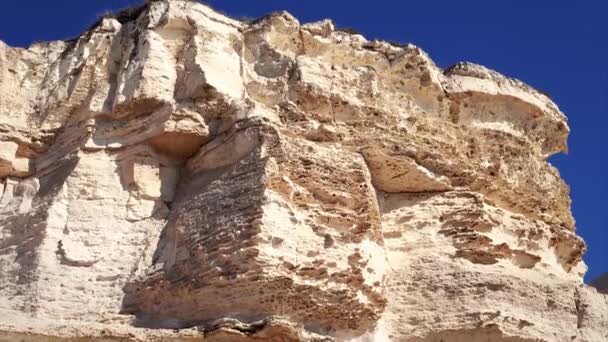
[{"x": 173, "y": 174}]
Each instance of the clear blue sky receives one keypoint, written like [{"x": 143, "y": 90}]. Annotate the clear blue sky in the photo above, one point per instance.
[{"x": 560, "y": 46}]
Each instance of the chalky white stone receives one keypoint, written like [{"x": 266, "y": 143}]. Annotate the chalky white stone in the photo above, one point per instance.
[{"x": 173, "y": 173}]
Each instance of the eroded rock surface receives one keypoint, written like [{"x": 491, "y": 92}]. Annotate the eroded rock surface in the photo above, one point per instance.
[{"x": 174, "y": 174}]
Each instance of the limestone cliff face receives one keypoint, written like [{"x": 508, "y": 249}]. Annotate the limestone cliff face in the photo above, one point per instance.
[{"x": 174, "y": 174}]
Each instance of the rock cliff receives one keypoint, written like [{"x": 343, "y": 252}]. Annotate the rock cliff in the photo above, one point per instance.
[{"x": 173, "y": 174}]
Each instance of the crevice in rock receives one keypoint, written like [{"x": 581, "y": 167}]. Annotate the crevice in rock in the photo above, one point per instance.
[{"x": 581, "y": 309}]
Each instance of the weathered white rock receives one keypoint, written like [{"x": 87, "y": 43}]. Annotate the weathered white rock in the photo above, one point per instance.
[{"x": 174, "y": 173}]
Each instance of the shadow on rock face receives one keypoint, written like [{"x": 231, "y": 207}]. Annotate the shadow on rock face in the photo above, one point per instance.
[
  {"x": 24, "y": 217},
  {"x": 222, "y": 255}
]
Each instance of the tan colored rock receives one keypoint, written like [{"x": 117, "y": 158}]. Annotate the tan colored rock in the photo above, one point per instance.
[{"x": 173, "y": 174}]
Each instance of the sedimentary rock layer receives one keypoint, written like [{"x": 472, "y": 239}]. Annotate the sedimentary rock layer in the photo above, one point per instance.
[{"x": 173, "y": 173}]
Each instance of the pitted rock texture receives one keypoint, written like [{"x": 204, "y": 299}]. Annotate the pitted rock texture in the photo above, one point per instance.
[{"x": 175, "y": 174}]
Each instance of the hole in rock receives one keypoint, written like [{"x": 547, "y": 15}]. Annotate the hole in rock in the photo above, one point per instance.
[{"x": 178, "y": 145}]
